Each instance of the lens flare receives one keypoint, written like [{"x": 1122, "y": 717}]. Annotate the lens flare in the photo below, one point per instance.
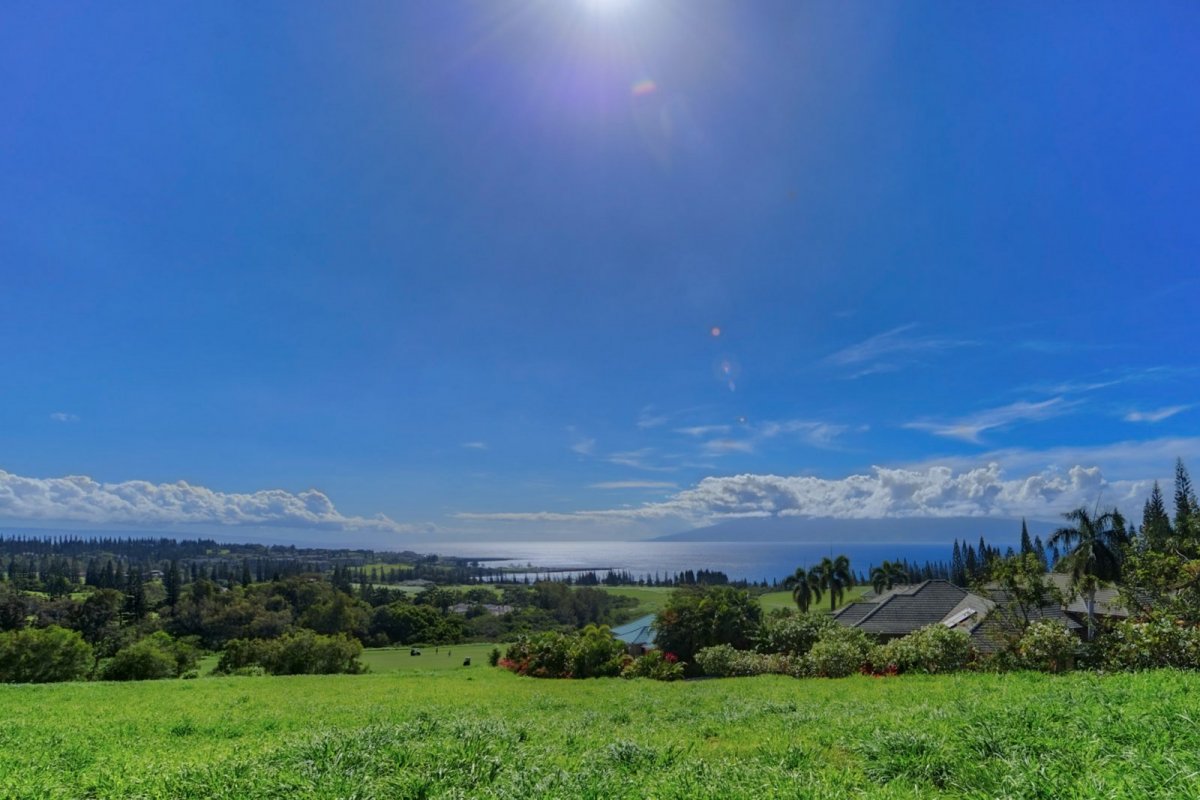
[
  {"x": 716, "y": 331},
  {"x": 644, "y": 87}
]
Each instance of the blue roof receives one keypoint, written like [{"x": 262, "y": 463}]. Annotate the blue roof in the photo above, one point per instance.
[{"x": 636, "y": 632}]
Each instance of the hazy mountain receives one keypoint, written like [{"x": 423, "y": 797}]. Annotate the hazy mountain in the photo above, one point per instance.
[{"x": 1000, "y": 532}]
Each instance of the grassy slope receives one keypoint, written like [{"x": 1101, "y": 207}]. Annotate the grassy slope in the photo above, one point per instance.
[{"x": 485, "y": 733}]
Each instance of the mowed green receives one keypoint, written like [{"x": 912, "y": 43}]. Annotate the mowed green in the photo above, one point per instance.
[
  {"x": 783, "y": 599},
  {"x": 484, "y": 733},
  {"x": 392, "y": 659}
]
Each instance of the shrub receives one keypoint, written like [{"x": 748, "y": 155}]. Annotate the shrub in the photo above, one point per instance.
[
  {"x": 703, "y": 616},
  {"x": 43, "y": 655},
  {"x": 840, "y": 652},
  {"x": 657, "y": 665},
  {"x": 592, "y": 653},
  {"x": 300, "y": 653},
  {"x": 723, "y": 661},
  {"x": 494, "y": 656},
  {"x": 932, "y": 649},
  {"x": 1160, "y": 641},
  {"x": 155, "y": 657},
  {"x": 794, "y": 634},
  {"x": 1047, "y": 646}
]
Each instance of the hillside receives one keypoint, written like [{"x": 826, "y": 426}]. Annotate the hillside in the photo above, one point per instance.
[{"x": 482, "y": 732}]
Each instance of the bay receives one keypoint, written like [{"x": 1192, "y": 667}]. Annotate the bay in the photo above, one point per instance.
[{"x": 751, "y": 561}]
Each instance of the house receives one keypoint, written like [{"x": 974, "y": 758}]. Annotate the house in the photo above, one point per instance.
[
  {"x": 903, "y": 609},
  {"x": 638, "y": 635},
  {"x": 496, "y": 610}
]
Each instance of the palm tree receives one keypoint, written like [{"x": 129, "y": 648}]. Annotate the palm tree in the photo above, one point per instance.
[
  {"x": 805, "y": 586},
  {"x": 834, "y": 576},
  {"x": 887, "y": 575},
  {"x": 1095, "y": 554}
]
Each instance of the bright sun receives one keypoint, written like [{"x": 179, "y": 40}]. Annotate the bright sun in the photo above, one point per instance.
[{"x": 606, "y": 6}]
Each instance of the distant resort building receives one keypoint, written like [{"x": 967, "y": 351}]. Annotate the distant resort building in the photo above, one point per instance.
[
  {"x": 496, "y": 610},
  {"x": 638, "y": 635}
]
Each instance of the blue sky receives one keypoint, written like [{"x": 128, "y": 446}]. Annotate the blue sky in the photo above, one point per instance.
[{"x": 577, "y": 269}]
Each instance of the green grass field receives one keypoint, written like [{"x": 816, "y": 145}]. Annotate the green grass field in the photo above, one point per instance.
[
  {"x": 484, "y": 733},
  {"x": 773, "y": 600}
]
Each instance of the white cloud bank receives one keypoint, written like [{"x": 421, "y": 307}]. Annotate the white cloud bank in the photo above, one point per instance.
[
  {"x": 936, "y": 490},
  {"x": 78, "y": 498}
]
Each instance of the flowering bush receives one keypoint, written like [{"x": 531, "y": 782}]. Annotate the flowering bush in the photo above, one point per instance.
[
  {"x": 932, "y": 649},
  {"x": 1160, "y": 641},
  {"x": 657, "y": 665},
  {"x": 1047, "y": 646},
  {"x": 591, "y": 653}
]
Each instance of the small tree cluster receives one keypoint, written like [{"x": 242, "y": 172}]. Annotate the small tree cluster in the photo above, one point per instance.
[
  {"x": 591, "y": 653},
  {"x": 43, "y": 655},
  {"x": 300, "y": 653}
]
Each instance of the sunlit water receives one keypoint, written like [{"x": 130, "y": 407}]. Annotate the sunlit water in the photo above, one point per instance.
[{"x": 754, "y": 561}]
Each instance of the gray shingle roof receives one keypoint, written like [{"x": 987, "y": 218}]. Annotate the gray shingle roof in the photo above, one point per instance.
[
  {"x": 907, "y": 608},
  {"x": 853, "y": 612}
]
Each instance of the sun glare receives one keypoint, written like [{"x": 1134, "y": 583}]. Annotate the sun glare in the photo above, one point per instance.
[{"x": 606, "y": 6}]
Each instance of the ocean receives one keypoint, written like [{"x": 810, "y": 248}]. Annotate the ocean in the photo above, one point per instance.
[{"x": 751, "y": 561}]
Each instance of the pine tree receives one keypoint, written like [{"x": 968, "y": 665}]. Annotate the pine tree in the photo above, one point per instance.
[
  {"x": 1156, "y": 525},
  {"x": 1039, "y": 549},
  {"x": 1026, "y": 542},
  {"x": 970, "y": 565},
  {"x": 1186, "y": 507},
  {"x": 172, "y": 582}
]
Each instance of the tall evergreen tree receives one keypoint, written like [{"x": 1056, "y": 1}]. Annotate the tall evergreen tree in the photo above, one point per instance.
[
  {"x": 172, "y": 582},
  {"x": 1156, "y": 525},
  {"x": 1026, "y": 542},
  {"x": 1186, "y": 507}
]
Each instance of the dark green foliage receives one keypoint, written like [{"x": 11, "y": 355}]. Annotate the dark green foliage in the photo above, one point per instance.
[
  {"x": 1097, "y": 548},
  {"x": 656, "y": 665},
  {"x": 405, "y": 623},
  {"x": 1160, "y": 641},
  {"x": 300, "y": 653},
  {"x": 794, "y": 634},
  {"x": 43, "y": 655},
  {"x": 590, "y": 653},
  {"x": 1156, "y": 525},
  {"x": 14, "y": 607},
  {"x": 834, "y": 576},
  {"x": 699, "y": 617},
  {"x": 887, "y": 575},
  {"x": 931, "y": 650},
  {"x": 1023, "y": 591},
  {"x": 723, "y": 661},
  {"x": 1048, "y": 647},
  {"x": 840, "y": 652},
  {"x": 805, "y": 586},
  {"x": 1187, "y": 512},
  {"x": 155, "y": 657}
]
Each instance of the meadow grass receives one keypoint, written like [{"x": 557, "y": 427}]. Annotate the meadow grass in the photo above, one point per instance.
[
  {"x": 483, "y": 732},
  {"x": 393, "y": 659},
  {"x": 783, "y": 599}
]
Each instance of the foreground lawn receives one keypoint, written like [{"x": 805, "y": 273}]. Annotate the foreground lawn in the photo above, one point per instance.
[{"x": 481, "y": 732}]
